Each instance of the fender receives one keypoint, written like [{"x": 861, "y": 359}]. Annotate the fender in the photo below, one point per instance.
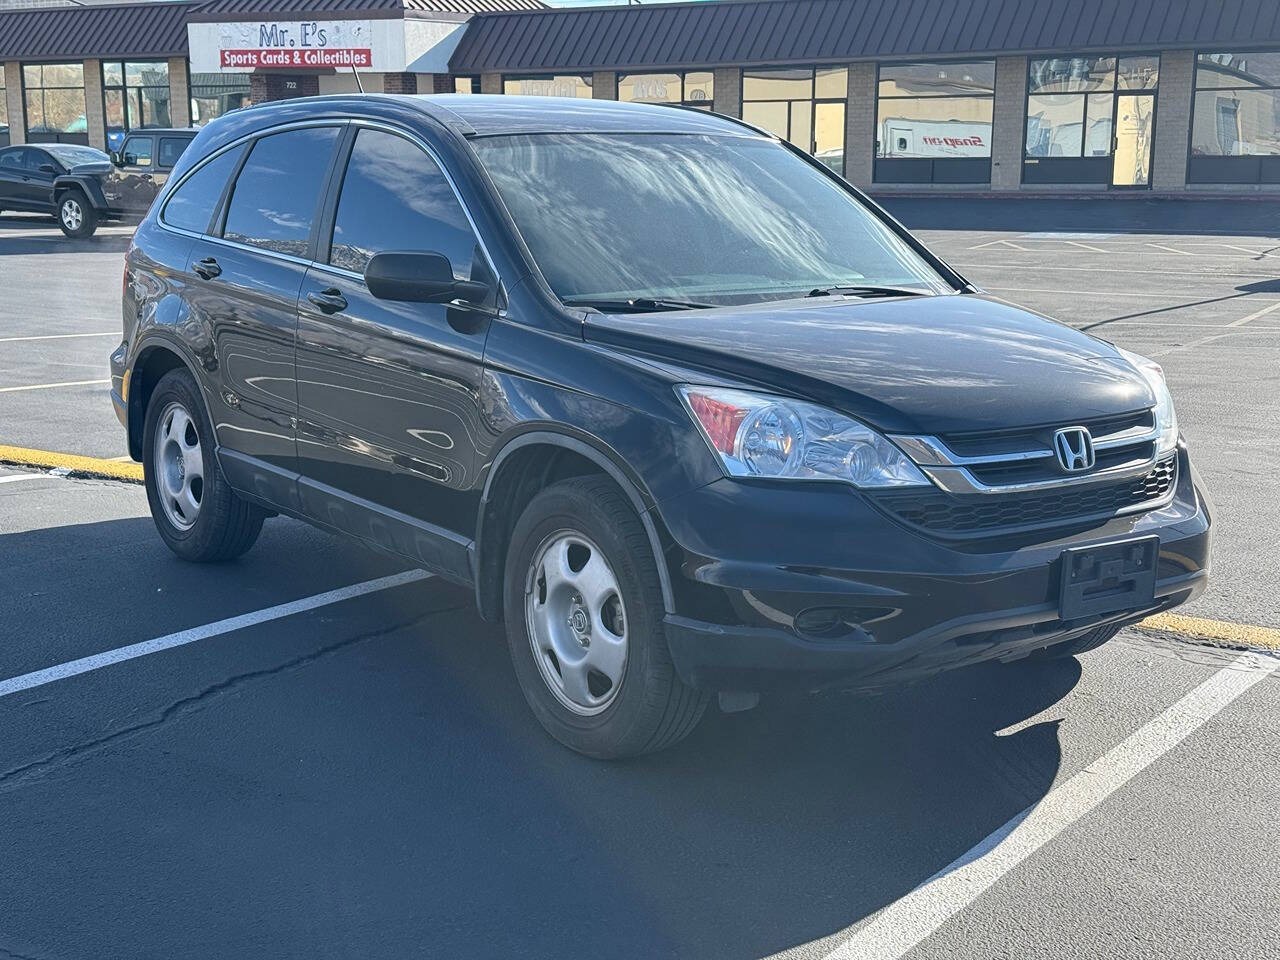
[
  {"x": 598, "y": 453},
  {"x": 149, "y": 344},
  {"x": 90, "y": 186}
]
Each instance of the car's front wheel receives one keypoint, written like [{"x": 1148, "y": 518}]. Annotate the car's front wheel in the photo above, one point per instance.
[
  {"x": 1083, "y": 644},
  {"x": 197, "y": 513},
  {"x": 583, "y": 607},
  {"x": 76, "y": 216}
]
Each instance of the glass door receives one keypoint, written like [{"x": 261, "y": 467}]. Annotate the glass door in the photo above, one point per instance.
[{"x": 1134, "y": 128}]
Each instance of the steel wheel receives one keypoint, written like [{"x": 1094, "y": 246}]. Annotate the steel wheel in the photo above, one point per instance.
[
  {"x": 72, "y": 214},
  {"x": 576, "y": 622},
  {"x": 179, "y": 466}
]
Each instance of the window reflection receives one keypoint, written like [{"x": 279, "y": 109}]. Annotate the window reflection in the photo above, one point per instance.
[
  {"x": 692, "y": 88},
  {"x": 1072, "y": 104},
  {"x": 1237, "y": 105},
  {"x": 55, "y": 102},
  {"x": 559, "y": 85},
  {"x": 935, "y": 110},
  {"x": 803, "y": 105}
]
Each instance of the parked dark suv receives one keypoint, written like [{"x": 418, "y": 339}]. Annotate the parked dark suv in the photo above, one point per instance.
[
  {"x": 120, "y": 186},
  {"x": 687, "y": 411}
]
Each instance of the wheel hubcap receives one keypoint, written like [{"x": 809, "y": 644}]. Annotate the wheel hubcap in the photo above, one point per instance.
[
  {"x": 179, "y": 466},
  {"x": 72, "y": 215},
  {"x": 576, "y": 623}
]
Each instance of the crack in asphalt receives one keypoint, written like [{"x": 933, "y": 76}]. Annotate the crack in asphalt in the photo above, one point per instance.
[{"x": 25, "y": 773}]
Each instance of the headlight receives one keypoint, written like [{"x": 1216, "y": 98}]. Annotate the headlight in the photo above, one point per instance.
[
  {"x": 762, "y": 436},
  {"x": 1166, "y": 419}
]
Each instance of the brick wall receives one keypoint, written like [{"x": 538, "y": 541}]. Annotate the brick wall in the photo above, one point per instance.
[
  {"x": 604, "y": 85},
  {"x": 441, "y": 83},
  {"x": 400, "y": 82},
  {"x": 728, "y": 91},
  {"x": 490, "y": 83},
  {"x": 860, "y": 125},
  {"x": 94, "y": 117},
  {"x": 13, "y": 96},
  {"x": 1008, "y": 130},
  {"x": 264, "y": 87},
  {"x": 1173, "y": 120},
  {"x": 179, "y": 92}
]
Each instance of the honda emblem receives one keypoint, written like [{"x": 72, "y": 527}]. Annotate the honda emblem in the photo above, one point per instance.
[{"x": 1074, "y": 447}]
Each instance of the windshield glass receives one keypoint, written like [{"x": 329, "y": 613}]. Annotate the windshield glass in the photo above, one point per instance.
[
  {"x": 705, "y": 219},
  {"x": 70, "y": 154}
]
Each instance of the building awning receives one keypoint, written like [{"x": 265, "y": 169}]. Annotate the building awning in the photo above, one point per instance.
[{"x": 734, "y": 32}]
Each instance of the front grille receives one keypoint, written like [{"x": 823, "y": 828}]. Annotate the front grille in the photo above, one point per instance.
[{"x": 961, "y": 515}]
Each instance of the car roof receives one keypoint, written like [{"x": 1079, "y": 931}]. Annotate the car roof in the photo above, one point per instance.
[{"x": 161, "y": 131}]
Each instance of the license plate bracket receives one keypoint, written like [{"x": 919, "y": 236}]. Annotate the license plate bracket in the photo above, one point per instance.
[{"x": 1108, "y": 577}]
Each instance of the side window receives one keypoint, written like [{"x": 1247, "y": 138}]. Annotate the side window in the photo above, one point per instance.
[
  {"x": 191, "y": 206},
  {"x": 137, "y": 152},
  {"x": 170, "y": 150},
  {"x": 14, "y": 159},
  {"x": 275, "y": 196},
  {"x": 394, "y": 197}
]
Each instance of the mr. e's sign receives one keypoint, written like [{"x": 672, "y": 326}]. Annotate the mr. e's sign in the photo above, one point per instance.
[{"x": 303, "y": 45}]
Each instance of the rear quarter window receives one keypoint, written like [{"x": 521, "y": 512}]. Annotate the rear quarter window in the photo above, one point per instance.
[
  {"x": 170, "y": 150},
  {"x": 191, "y": 206}
]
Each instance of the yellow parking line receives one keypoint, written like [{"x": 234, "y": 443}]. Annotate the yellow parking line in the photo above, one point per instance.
[
  {"x": 74, "y": 465},
  {"x": 1214, "y": 631}
]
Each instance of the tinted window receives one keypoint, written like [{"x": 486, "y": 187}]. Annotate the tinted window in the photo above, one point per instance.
[
  {"x": 137, "y": 152},
  {"x": 14, "y": 159},
  {"x": 170, "y": 150},
  {"x": 275, "y": 196},
  {"x": 394, "y": 197},
  {"x": 192, "y": 204}
]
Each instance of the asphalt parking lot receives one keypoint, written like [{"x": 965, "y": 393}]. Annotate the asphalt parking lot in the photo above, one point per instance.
[{"x": 312, "y": 752}]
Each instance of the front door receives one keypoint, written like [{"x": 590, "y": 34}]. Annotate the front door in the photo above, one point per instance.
[
  {"x": 131, "y": 185},
  {"x": 1134, "y": 127},
  {"x": 388, "y": 391}
]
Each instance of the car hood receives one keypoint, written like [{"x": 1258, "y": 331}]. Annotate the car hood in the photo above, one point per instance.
[
  {"x": 936, "y": 365},
  {"x": 93, "y": 168}
]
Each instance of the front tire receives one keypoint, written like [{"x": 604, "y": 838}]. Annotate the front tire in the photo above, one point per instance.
[
  {"x": 198, "y": 515},
  {"x": 1071, "y": 648},
  {"x": 76, "y": 216},
  {"x": 583, "y": 607}
]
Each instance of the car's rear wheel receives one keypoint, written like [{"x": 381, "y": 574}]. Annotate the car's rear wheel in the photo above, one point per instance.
[
  {"x": 198, "y": 515},
  {"x": 76, "y": 215},
  {"x": 583, "y": 607}
]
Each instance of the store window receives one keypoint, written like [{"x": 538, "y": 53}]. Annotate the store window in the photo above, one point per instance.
[
  {"x": 54, "y": 100},
  {"x": 803, "y": 105},
  {"x": 466, "y": 84},
  {"x": 1091, "y": 120},
  {"x": 545, "y": 85},
  {"x": 693, "y": 88},
  {"x": 1235, "y": 118},
  {"x": 933, "y": 122},
  {"x": 134, "y": 95},
  {"x": 213, "y": 94}
]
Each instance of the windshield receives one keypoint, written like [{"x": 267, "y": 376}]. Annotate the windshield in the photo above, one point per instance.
[
  {"x": 70, "y": 154},
  {"x": 702, "y": 219}
]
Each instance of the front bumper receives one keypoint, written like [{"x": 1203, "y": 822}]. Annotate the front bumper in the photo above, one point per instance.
[{"x": 752, "y": 564}]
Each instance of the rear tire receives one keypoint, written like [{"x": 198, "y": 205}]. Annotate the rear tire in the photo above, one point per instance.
[
  {"x": 198, "y": 515},
  {"x": 584, "y": 610},
  {"x": 1070, "y": 648},
  {"x": 76, "y": 216}
]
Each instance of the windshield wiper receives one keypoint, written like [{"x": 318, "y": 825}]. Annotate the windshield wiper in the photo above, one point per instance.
[
  {"x": 866, "y": 291},
  {"x": 637, "y": 304}
]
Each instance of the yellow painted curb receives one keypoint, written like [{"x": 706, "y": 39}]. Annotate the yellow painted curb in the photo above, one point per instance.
[
  {"x": 1214, "y": 631},
  {"x": 74, "y": 465}
]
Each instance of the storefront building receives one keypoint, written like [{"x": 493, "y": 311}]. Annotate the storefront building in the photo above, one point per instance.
[{"x": 1011, "y": 96}]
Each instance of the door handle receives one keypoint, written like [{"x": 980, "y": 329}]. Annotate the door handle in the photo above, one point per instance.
[
  {"x": 329, "y": 300},
  {"x": 208, "y": 268}
]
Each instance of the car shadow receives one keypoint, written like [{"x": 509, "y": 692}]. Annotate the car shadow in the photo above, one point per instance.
[
  {"x": 15, "y": 238},
  {"x": 393, "y": 790}
]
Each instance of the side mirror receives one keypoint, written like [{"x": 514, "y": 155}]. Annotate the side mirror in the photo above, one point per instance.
[
  {"x": 116, "y": 159},
  {"x": 48, "y": 168},
  {"x": 419, "y": 278}
]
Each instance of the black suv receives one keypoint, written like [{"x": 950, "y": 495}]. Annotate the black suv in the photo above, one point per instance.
[
  {"x": 687, "y": 411},
  {"x": 120, "y": 187}
]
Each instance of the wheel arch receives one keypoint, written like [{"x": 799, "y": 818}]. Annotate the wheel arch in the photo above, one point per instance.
[
  {"x": 527, "y": 463},
  {"x": 153, "y": 361}
]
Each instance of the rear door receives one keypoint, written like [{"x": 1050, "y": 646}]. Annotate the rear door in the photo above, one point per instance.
[
  {"x": 244, "y": 276},
  {"x": 388, "y": 392},
  {"x": 131, "y": 185},
  {"x": 19, "y": 190}
]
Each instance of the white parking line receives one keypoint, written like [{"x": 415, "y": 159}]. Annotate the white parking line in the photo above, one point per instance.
[
  {"x": 52, "y": 386},
  {"x": 904, "y": 924},
  {"x": 73, "y": 668},
  {"x": 59, "y": 336},
  {"x": 1202, "y": 341},
  {"x": 14, "y": 478}
]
